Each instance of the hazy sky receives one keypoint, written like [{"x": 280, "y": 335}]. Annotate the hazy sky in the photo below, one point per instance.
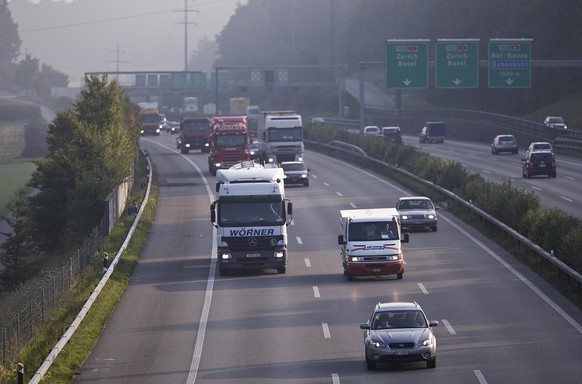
[{"x": 78, "y": 36}]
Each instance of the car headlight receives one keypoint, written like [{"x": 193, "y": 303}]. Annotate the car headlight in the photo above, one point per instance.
[
  {"x": 430, "y": 216},
  {"x": 404, "y": 217},
  {"x": 425, "y": 342},
  {"x": 304, "y": 176},
  {"x": 376, "y": 344}
]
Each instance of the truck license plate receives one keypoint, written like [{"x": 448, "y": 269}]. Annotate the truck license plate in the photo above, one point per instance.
[
  {"x": 377, "y": 270},
  {"x": 253, "y": 255}
]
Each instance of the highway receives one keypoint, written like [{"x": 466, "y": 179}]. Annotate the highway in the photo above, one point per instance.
[
  {"x": 180, "y": 322},
  {"x": 563, "y": 192}
]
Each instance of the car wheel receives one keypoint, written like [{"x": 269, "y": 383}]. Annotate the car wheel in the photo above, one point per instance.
[
  {"x": 306, "y": 184},
  {"x": 434, "y": 229},
  {"x": 400, "y": 275},
  {"x": 523, "y": 173},
  {"x": 282, "y": 270},
  {"x": 370, "y": 365},
  {"x": 431, "y": 363}
]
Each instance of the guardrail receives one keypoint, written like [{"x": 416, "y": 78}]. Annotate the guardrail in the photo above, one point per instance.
[
  {"x": 460, "y": 118},
  {"x": 547, "y": 256}
]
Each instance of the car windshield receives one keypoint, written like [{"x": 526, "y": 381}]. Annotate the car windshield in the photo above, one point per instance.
[
  {"x": 373, "y": 231},
  {"x": 238, "y": 214},
  {"x": 230, "y": 140},
  {"x": 420, "y": 204},
  {"x": 293, "y": 167},
  {"x": 506, "y": 139},
  {"x": 398, "y": 319},
  {"x": 556, "y": 120}
]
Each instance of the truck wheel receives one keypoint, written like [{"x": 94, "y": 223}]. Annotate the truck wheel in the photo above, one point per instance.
[
  {"x": 223, "y": 272},
  {"x": 184, "y": 151},
  {"x": 348, "y": 276},
  {"x": 399, "y": 275},
  {"x": 282, "y": 270}
]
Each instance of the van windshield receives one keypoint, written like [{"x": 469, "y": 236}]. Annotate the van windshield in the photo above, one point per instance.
[{"x": 373, "y": 231}]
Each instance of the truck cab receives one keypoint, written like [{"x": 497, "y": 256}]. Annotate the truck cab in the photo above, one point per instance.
[
  {"x": 194, "y": 132},
  {"x": 229, "y": 142}
]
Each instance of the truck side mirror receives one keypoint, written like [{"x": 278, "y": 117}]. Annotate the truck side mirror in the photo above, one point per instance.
[
  {"x": 405, "y": 237},
  {"x": 213, "y": 212},
  {"x": 340, "y": 239},
  {"x": 290, "y": 208}
]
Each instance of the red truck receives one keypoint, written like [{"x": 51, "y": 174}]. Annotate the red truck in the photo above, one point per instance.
[
  {"x": 229, "y": 142},
  {"x": 194, "y": 132}
]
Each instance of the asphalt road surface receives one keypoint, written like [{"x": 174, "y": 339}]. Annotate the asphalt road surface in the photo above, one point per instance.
[{"x": 179, "y": 322}]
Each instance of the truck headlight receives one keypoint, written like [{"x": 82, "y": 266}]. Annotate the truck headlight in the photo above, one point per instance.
[
  {"x": 395, "y": 257},
  {"x": 225, "y": 256},
  {"x": 279, "y": 254},
  {"x": 188, "y": 145},
  {"x": 430, "y": 216},
  {"x": 404, "y": 217},
  {"x": 355, "y": 258}
]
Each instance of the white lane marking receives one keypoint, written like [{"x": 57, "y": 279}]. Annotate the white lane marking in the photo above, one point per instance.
[
  {"x": 484, "y": 171},
  {"x": 480, "y": 376},
  {"x": 326, "y": 333},
  {"x": 449, "y": 327},
  {"x": 335, "y": 378},
  {"x": 565, "y": 198},
  {"x": 422, "y": 288},
  {"x": 528, "y": 283},
  {"x": 299, "y": 241},
  {"x": 353, "y": 205},
  {"x": 326, "y": 184},
  {"x": 316, "y": 291},
  {"x": 339, "y": 194},
  {"x": 536, "y": 188},
  {"x": 569, "y": 178},
  {"x": 307, "y": 262}
]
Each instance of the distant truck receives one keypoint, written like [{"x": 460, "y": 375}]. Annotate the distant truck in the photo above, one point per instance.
[
  {"x": 229, "y": 142},
  {"x": 191, "y": 107},
  {"x": 281, "y": 136},
  {"x": 151, "y": 122},
  {"x": 194, "y": 132},
  {"x": 433, "y": 132},
  {"x": 238, "y": 105},
  {"x": 251, "y": 215},
  {"x": 371, "y": 242}
]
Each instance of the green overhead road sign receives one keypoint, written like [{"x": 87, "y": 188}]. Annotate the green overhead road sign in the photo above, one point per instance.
[
  {"x": 406, "y": 64},
  {"x": 457, "y": 63},
  {"x": 509, "y": 63}
]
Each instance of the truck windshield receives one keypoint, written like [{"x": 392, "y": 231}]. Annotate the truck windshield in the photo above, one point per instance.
[
  {"x": 238, "y": 214},
  {"x": 373, "y": 231},
  {"x": 191, "y": 126},
  {"x": 230, "y": 140},
  {"x": 285, "y": 134},
  {"x": 150, "y": 118}
]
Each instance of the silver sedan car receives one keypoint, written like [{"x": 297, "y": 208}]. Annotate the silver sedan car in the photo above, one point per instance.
[
  {"x": 400, "y": 333},
  {"x": 417, "y": 212}
]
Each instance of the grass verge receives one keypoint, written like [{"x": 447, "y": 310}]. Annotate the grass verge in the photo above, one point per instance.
[
  {"x": 14, "y": 174},
  {"x": 70, "y": 359}
]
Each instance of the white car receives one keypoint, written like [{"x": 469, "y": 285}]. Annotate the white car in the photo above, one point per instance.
[
  {"x": 372, "y": 130},
  {"x": 417, "y": 212}
]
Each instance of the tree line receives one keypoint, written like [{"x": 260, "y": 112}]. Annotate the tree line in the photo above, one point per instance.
[{"x": 91, "y": 149}]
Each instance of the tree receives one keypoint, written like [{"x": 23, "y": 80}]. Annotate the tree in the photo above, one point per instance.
[
  {"x": 17, "y": 245},
  {"x": 27, "y": 73},
  {"x": 9, "y": 44},
  {"x": 91, "y": 150}
]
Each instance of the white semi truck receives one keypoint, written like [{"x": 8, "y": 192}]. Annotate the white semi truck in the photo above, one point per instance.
[
  {"x": 281, "y": 136},
  {"x": 371, "y": 242},
  {"x": 251, "y": 215}
]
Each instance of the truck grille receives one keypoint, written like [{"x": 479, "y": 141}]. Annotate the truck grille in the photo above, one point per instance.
[{"x": 245, "y": 244}]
